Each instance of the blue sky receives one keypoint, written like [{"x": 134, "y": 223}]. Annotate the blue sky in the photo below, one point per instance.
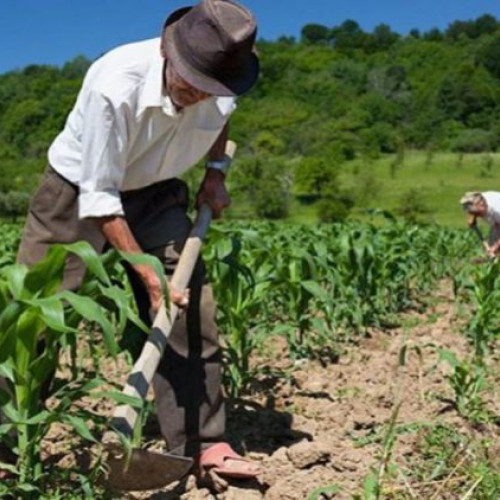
[{"x": 55, "y": 31}]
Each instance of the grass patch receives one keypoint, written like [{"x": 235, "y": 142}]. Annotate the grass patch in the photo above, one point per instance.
[{"x": 441, "y": 179}]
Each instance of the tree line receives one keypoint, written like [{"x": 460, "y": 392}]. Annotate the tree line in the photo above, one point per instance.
[{"x": 335, "y": 95}]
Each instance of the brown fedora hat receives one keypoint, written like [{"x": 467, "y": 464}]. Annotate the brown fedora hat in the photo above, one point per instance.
[{"x": 211, "y": 45}]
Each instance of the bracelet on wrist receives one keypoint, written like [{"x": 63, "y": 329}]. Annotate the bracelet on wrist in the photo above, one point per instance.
[{"x": 221, "y": 165}]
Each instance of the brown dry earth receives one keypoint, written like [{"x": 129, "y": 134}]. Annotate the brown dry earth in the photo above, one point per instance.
[{"x": 303, "y": 428}]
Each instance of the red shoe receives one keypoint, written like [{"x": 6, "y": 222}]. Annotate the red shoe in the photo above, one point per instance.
[{"x": 225, "y": 462}]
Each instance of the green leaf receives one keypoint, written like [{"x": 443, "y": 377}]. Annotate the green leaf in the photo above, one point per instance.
[
  {"x": 316, "y": 290},
  {"x": 28, "y": 329},
  {"x": 80, "y": 426},
  {"x": 448, "y": 356},
  {"x": 402, "y": 355},
  {"x": 10, "y": 468},
  {"x": 125, "y": 309},
  {"x": 7, "y": 370},
  {"x": 91, "y": 258},
  {"x": 9, "y": 315},
  {"x": 15, "y": 276},
  {"x": 90, "y": 310},
  {"x": 52, "y": 313},
  {"x": 27, "y": 488},
  {"x": 119, "y": 398},
  {"x": 371, "y": 488},
  {"x": 39, "y": 418},
  {"x": 45, "y": 277},
  {"x": 148, "y": 260},
  {"x": 8, "y": 330},
  {"x": 44, "y": 366}
]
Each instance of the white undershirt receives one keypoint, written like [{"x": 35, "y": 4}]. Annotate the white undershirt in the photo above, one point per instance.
[{"x": 123, "y": 134}]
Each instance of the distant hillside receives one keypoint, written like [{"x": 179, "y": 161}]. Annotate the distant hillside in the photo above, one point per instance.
[{"x": 336, "y": 96}]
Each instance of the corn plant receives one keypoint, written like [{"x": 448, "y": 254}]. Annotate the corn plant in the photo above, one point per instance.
[
  {"x": 36, "y": 319},
  {"x": 241, "y": 297},
  {"x": 8, "y": 243},
  {"x": 484, "y": 293},
  {"x": 297, "y": 279},
  {"x": 468, "y": 380}
]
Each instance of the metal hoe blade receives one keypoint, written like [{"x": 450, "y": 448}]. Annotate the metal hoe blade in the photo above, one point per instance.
[{"x": 145, "y": 470}]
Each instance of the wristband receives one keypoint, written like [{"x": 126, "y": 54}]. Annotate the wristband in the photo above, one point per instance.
[{"x": 222, "y": 165}]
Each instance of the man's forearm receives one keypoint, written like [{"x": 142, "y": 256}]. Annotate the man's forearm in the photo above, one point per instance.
[
  {"x": 218, "y": 149},
  {"x": 118, "y": 233}
]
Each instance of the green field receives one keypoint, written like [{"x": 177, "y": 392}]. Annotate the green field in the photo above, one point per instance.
[{"x": 441, "y": 179}]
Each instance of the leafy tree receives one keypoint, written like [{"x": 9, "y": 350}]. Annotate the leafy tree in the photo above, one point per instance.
[
  {"x": 413, "y": 207},
  {"x": 473, "y": 141},
  {"x": 315, "y": 33},
  {"x": 14, "y": 204},
  {"x": 489, "y": 56},
  {"x": 271, "y": 193},
  {"x": 334, "y": 207},
  {"x": 315, "y": 176},
  {"x": 486, "y": 24},
  {"x": 76, "y": 68},
  {"x": 433, "y": 35},
  {"x": 383, "y": 37},
  {"x": 348, "y": 36}
]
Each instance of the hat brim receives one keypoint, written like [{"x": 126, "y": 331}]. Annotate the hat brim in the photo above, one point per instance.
[{"x": 236, "y": 86}]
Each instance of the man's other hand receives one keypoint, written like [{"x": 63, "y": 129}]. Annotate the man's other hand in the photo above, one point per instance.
[
  {"x": 154, "y": 288},
  {"x": 213, "y": 191}
]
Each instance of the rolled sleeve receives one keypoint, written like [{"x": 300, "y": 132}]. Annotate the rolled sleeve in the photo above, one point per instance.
[
  {"x": 99, "y": 204},
  {"x": 104, "y": 148}
]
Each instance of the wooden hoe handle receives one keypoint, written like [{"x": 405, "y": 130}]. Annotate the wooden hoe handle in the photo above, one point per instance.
[{"x": 139, "y": 380}]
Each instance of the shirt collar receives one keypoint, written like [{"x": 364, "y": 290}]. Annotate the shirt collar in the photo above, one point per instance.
[{"x": 152, "y": 90}]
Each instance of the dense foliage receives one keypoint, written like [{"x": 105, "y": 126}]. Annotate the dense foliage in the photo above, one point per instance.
[{"x": 337, "y": 94}]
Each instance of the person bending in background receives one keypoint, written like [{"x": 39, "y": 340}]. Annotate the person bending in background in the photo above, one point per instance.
[
  {"x": 146, "y": 113},
  {"x": 484, "y": 205}
]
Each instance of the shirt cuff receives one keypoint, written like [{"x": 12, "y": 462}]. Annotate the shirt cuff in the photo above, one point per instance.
[{"x": 99, "y": 204}]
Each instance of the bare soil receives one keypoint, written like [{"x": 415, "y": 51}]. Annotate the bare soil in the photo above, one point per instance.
[{"x": 320, "y": 423}]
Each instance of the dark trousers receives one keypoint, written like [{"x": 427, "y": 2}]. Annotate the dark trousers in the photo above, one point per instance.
[{"x": 187, "y": 385}]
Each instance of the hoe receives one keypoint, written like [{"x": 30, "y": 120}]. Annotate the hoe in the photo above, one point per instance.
[{"x": 143, "y": 469}]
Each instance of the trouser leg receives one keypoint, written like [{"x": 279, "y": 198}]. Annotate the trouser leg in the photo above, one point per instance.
[
  {"x": 53, "y": 218},
  {"x": 187, "y": 385}
]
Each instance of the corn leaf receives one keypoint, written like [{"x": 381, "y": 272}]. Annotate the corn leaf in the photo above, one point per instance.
[
  {"x": 15, "y": 276},
  {"x": 90, "y": 310},
  {"x": 45, "y": 277},
  {"x": 80, "y": 426},
  {"x": 92, "y": 259},
  {"x": 51, "y": 312}
]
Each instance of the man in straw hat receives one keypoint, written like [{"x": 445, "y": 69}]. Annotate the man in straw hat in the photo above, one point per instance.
[
  {"x": 146, "y": 113},
  {"x": 485, "y": 205}
]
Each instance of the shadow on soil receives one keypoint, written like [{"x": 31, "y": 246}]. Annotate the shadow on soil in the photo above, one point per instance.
[{"x": 260, "y": 429}]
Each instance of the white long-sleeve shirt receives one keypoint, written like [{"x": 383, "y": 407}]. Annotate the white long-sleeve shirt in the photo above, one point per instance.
[{"x": 124, "y": 134}]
